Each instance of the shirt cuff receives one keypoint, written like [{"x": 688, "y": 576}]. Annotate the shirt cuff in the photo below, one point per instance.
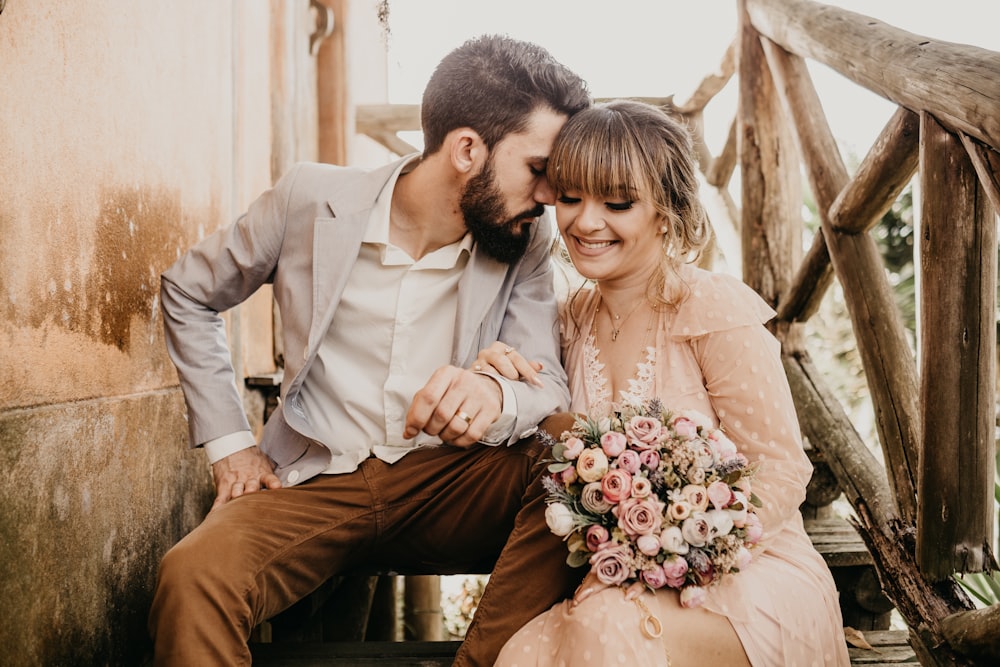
[
  {"x": 219, "y": 448},
  {"x": 500, "y": 431}
]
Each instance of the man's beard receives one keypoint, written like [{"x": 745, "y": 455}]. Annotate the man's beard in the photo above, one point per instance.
[{"x": 503, "y": 238}]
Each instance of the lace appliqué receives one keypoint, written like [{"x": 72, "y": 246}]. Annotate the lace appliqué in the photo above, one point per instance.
[{"x": 640, "y": 388}]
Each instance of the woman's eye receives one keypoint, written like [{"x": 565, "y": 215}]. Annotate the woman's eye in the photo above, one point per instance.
[
  {"x": 618, "y": 206},
  {"x": 536, "y": 172},
  {"x": 564, "y": 199}
]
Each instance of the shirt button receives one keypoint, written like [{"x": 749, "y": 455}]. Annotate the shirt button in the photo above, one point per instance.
[{"x": 293, "y": 476}]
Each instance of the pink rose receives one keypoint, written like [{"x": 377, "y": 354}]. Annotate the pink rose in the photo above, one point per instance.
[
  {"x": 685, "y": 428},
  {"x": 568, "y": 476},
  {"x": 698, "y": 418},
  {"x": 675, "y": 570},
  {"x": 654, "y": 577},
  {"x": 648, "y": 544},
  {"x": 695, "y": 529},
  {"x": 672, "y": 540},
  {"x": 591, "y": 465},
  {"x": 612, "y": 565},
  {"x": 639, "y": 517},
  {"x": 644, "y": 432},
  {"x": 697, "y": 496},
  {"x": 693, "y": 596},
  {"x": 650, "y": 458},
  {"x": 630, "y": 460},
  {"x": 755, "y": 531},
  {"x": 596, "y": 536},
  {"x": 724, "y": 447},
  {"x": 641, "y": 487},
  {"x": 679, "y": 510},
  {"x": 616, "y": 485},
  {"x": 743, "y": 558},
  {"x": 573, "y": 447},
  {"x": 613, "y": 443},
  {"x": 720, "y": 494},
  {"x": 705, "y": 574},
  {"x": 593, "y": 500}
]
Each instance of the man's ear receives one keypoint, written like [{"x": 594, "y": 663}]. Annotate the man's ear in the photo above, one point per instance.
[{"x": 467, "y": 151}]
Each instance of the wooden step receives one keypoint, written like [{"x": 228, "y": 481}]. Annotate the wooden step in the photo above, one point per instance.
[
  {"x": 838, "y": 542},
  {"x": 889, "y": 649}
]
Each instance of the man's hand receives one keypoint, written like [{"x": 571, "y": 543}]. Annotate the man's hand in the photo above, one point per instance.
[
  {"x": 456, "y": 405},
  {"x": 242, "y": 472}
]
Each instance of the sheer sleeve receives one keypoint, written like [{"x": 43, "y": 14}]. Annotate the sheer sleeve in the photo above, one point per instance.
[{"x": 741, "y": 371}]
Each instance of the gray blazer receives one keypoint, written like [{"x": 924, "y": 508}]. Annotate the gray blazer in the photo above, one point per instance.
[{"x": 303, "y": 236}]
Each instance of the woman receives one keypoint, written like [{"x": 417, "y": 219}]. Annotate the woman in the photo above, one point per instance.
[{"x": 651, "y": 325}]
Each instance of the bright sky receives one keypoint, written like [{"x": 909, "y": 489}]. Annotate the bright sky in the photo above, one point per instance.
[{"x": 661, "y": 47}]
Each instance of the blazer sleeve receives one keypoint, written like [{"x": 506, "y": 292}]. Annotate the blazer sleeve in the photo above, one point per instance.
[
  {"x": 219, "y": 272},
  {"x": 531, "y": 325}
]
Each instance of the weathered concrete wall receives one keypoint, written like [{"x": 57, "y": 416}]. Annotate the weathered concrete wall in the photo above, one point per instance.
[
  {"x": 129, "y": 129},
  {"x": 116, "y": 153}
]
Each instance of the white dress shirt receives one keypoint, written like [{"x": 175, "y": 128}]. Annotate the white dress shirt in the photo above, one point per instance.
[{"x": 394, "y": 326}]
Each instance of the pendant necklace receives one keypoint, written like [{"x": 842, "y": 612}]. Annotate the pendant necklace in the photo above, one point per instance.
[{"x": 617, "y": 321}]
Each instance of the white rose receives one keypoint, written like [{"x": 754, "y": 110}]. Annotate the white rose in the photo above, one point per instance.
[
  {"x": 720, "y": 521},
  {"x": 559, "y": 519},
  {"x": 672, "y": 540}
]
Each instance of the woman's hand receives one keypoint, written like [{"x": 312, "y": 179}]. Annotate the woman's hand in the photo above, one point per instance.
[
  {"x": 508, "y": 362},
  {"x": 591, "y": 584}
]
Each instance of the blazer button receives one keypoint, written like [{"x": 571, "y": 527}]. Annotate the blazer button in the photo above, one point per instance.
[{"x": 293, "y": 476}]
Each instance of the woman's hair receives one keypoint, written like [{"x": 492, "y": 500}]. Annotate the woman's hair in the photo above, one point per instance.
[
  {"x": 492, "y": 84},
  {"x": 627, "y": 150}
]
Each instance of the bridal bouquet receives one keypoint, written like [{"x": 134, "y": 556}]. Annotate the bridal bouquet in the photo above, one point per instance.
[{"x": 653, "y": 496}]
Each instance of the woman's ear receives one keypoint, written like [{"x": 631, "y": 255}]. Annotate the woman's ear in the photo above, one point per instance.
[{"x": 467, "y": 151}]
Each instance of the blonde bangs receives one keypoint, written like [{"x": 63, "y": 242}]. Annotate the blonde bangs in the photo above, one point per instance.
[{"x": 597, "y": 155}]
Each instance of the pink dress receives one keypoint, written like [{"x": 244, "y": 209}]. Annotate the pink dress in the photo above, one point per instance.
[{"x": 712, "y": 355}]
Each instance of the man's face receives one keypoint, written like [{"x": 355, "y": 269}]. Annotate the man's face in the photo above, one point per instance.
[{"x": 510, "y": 191}]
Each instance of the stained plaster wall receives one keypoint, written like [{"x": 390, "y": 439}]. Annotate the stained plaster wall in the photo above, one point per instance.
[{"x": 128, "y": 130}]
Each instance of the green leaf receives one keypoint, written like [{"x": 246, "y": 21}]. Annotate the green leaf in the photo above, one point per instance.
[
  {"x": 578, "y": 558},
  {"x": 559, "y": 467}
]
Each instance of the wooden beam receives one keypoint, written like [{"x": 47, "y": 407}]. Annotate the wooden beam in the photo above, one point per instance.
[
  {"x": 889, "y": 365},
  {"x": 956, "y": 83},
  {"x": 828, "y": 428},
  {"x": 712, "y": 84},
  {"x": 975, "y": 633},
  {"x": 881, "y": 177},
  {"x": 958, "y": 278},
  {"x": 720, "y": 170},
  {"x": 987, "y": 164},
  {"x": 771, "y": 224}
]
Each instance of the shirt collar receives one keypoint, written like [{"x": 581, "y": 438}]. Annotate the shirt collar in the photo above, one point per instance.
[{"x": 377, "y": 232}]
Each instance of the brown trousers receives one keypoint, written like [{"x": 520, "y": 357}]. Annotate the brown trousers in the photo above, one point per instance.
[{"x": 443, "y": 510}]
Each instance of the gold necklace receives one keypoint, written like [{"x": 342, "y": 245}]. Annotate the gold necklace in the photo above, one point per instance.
[{"x": 615, "y": 330}]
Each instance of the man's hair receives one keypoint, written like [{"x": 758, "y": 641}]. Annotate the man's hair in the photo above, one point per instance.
[{"x": 492, "y": 84}]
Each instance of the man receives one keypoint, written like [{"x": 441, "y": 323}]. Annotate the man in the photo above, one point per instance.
[{"x": 386, "y": 452}]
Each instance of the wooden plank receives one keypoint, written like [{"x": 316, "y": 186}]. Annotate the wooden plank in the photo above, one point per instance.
[
  {"x": 894, "y": 655},
  {"x": 838, "y": 542}
]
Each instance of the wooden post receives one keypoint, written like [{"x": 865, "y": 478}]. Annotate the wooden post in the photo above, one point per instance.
[
  {"x": 423, "y": 618},
  {"x": 772, "y": 191},
  {"x": 958, "y": 277}
]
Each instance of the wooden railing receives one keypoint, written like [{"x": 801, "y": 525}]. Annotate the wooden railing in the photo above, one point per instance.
[{"x": 925, "y": 511}]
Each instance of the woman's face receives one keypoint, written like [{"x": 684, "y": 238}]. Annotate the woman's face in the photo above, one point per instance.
[{"x": 608, "y": 239}]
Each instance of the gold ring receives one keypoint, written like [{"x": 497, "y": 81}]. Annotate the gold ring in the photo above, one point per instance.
[
  {"x": 461, "y": 414},
  {"x": 508, "y": 350}
]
